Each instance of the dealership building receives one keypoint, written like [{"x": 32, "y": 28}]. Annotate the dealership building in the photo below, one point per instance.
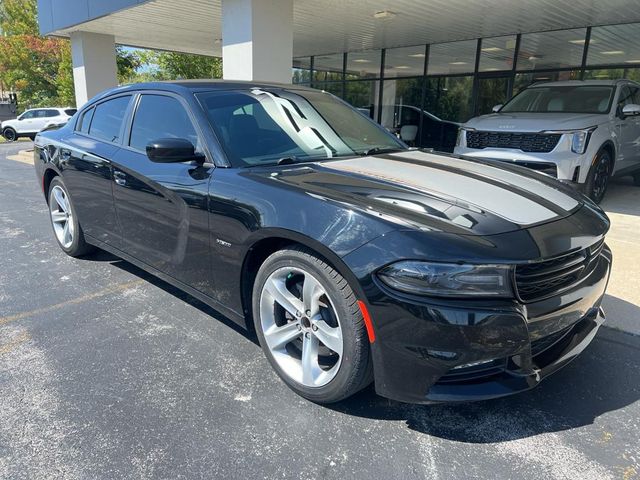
[{"x": 402, "y": 62}]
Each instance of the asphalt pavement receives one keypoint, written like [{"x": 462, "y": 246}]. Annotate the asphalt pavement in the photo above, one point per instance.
[{"x": 109, "y": 373}]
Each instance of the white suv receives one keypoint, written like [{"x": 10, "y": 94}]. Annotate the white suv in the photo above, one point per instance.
[
  {"x": 581, "y": 132},
  {"x": 34, "y": 120}
]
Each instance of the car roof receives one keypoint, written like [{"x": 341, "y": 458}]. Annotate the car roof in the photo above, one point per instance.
[
  {"x": 199, "y": 85},
  {"x": 576, "y": 83}
]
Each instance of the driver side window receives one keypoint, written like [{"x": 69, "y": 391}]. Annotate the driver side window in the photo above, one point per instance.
[
  {"x": 27, "y": 115},
  {"x": 160, "y": 116}
]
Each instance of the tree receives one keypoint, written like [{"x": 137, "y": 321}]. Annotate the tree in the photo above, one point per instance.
[{"x": 178, "y": 66}]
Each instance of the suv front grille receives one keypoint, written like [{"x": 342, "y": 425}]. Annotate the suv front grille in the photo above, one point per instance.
[
  {"x": 535, "y": 281},
  {"x": 527, "y": 142}
]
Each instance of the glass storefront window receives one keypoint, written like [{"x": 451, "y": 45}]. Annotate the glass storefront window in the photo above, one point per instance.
[
  {"x": 613, "y": 74},
  {"x": 364, "y": 64},
  {"x": 523, "y": 80},
  {"x": 399, "y": 95},
  {"x": 547, "y": 50},
  {"x": 615, "y": 44},
  {"x": 452, "y": 58},
  {"x": 363, "y": 95},
  {"x": 404, "y": 62},
  {"x": 328, "y": 67},
  {"x": 450, "y": 98},
  {"x": 331, "y": 87},
  {"x": 301, "y": 70},
  {"x": 497, "y": 53}
]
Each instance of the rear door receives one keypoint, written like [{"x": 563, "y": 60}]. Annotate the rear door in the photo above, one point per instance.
[
  {"x": 162, "y": 207},
  {"x": 86, "y": 160}
]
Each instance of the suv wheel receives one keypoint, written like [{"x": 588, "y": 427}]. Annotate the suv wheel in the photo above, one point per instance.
[
  {"x": 598, "y": 178},
  {"x": 310, "y": 326},
  {"x": 9, "y": 134}
]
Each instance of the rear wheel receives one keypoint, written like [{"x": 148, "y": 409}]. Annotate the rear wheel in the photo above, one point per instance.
[
  {"x": 598, "y": 178},
  {"x": 64, "y": 221},
  {"x": 310, "y": 326},
  {"x": 9, "y": 134}
]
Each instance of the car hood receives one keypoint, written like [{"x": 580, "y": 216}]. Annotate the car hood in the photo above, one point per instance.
[
  {"x": 416, "y": 189},
  {"x": 535, "y": 122}
]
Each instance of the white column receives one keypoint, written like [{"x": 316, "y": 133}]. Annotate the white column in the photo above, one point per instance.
[
  {"x": 257, "y": 40},
  {"x": 94, "y": 64}
]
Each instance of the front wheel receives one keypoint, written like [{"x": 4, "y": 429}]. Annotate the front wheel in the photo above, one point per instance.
[
  {"x": 598, "y": 177},
  {"x": 64, "y": 221},
  {"x": 9, "y": 134},
  {"x": 310, "y": 326}
]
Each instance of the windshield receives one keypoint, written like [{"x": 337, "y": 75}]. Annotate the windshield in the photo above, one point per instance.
[
  {"x": 562, "y": 99},
  {"x": 258, "y": 126}
]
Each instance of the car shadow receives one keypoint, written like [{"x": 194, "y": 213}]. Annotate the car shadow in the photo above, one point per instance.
[
  {"x": 606, "y": 377},
  {"x": 103, "y": 256}
]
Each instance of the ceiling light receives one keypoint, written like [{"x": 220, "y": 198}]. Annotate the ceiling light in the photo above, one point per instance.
[
  {"x": 577, "y": 41},
  {"x": 491, "y": 49},
  {"x": 492, "y": 69},
  {"x": 417, "y": 55},
  {"x": 361, "y": 60},
  {"x": 384, "y": 15},
  {"x": 533, "y": 58},
  {"x": 613, "y": 52},
  {"x": 457, "y": 63},
  {"x": 402, "y": 67},
  {"x": 632, "y": 61}
]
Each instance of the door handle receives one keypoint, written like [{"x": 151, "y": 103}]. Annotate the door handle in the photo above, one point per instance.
[{"x": 119, "y": 178}]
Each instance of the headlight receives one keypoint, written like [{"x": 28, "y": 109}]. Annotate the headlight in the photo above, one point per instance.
[
  {"x": 580, "y": 140},
  {"x": 448, "y": 279}
]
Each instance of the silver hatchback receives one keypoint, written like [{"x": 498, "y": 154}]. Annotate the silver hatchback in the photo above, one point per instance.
[{"x": 581, "y": 132}]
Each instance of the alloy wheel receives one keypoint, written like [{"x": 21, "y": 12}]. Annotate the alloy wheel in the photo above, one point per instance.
[
  {"x": 601, "y": 178},
  {"x": 301, "y": 327},
  {"x": 61, "y": 216}
]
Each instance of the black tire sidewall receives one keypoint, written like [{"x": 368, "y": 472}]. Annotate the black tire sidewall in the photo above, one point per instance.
[
  {"x": 355, "y": 359},
  {"x": 78, "y": 246},
  {"x": 9, "y": 129},
  {"x": 592, "y": 173}
]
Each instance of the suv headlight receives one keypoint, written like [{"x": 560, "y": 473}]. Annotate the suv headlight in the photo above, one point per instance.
[
  {"x": 580, "y": 140},
  {"x": 448, "y": 279}
]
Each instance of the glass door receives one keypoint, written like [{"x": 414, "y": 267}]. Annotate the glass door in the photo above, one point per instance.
[{"x": 492, "y": 90}]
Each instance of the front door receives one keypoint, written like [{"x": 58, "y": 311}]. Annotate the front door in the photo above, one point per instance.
[
  {"x": 492, "y": 90},
  {"x": 628, "y": 130},
  {"x": 162, "y": 207}
]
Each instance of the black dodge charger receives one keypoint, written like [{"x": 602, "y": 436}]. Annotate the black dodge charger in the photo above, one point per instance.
[{"x": 354, "y": 258}]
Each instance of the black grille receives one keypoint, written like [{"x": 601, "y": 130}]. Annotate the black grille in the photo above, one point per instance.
[
  {"x": 539, "y": 280},
  {"x": 527, "y": 142}
]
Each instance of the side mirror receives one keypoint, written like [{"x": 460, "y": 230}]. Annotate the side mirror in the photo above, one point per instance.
[
  {"x": 496, "y": 108},
  {"x": 631, "y": 110},
  {"x": 172, "y": 150}
]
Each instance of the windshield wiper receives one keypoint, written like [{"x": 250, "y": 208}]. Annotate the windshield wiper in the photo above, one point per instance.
[{"x": 376, "y": 150}]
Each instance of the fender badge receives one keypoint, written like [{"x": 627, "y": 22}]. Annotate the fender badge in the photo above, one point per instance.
[{"x": 223, "y": 243}]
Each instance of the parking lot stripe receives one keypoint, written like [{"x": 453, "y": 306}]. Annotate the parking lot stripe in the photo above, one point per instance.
[{"x": 74, "y": 301}]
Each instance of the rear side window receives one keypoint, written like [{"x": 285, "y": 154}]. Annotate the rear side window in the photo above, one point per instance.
[
  {"x": 107, "y": 119},
  {"x": 85, "y": 121},
  {"x": 160, "y": 116},
  {"x": 51, "y": 113},
  {"x": 70, "y": 111}
]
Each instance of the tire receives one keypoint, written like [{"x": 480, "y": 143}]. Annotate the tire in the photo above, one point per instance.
[
  {"x": 10, "y": 134},
  {"x": 599, "y": 175},
  {"x": 64, "y": 221},
  {"x": 332, "y": 315}
]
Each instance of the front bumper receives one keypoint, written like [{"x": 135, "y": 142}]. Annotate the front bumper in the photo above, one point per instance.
[{"x": 470, "y": 350}]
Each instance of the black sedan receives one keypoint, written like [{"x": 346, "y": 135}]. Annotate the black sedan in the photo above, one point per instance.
[{"x": 355, "y": 258}]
